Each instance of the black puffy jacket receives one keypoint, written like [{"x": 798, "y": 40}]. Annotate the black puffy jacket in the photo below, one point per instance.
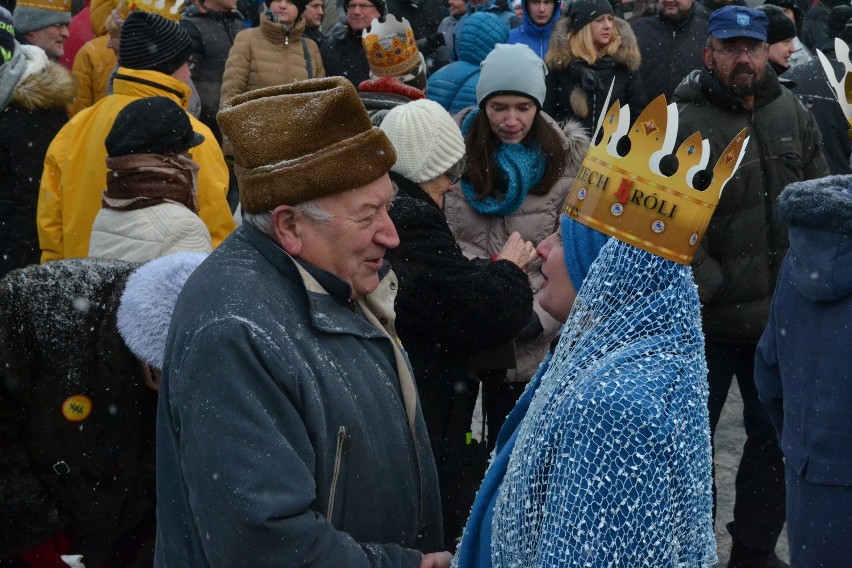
[
  {"x": 670, "y": 49},
  {"x": 737, "y": 263}
]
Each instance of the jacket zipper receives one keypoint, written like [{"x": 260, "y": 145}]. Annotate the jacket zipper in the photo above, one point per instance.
[
  {"x": 767, "y": 207},
  {"x": 338, "y": 457}
]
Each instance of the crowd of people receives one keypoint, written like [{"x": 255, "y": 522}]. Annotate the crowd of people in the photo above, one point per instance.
[{"x": 259, "y": 261}]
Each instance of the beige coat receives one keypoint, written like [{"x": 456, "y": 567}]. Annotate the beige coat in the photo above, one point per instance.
[
  {"x": 481, "y": 236},
  {"x": 267, "y": 56}
]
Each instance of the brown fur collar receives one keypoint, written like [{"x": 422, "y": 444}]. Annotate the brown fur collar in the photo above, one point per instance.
[
  {"x": 52, "y": 87},
  {"x": 559, "y": 55}
]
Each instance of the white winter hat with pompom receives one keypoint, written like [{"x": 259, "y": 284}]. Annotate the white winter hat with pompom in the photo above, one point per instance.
[
  {"x": 148, "y": 302},
  {"x": 427, "y": 140}
]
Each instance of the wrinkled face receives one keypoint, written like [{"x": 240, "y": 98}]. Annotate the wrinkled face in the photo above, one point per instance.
[
  {"x": 352, "y": 245},
  {"x": 674, "y": 8},
  {"x": 360, "y": 14},
  {"x": 603, "y": 30},
  {"x": 510, "y": 117},
  {"x": 541, "y": 10},
  {"x": 780, "y": 52},
  {"x": 313, "y": 13},
  {"x": 285, "y": 11},
  {"x": 738, "y": 63},
  {"x": 456, "y": 7},
  {"x": 557, "y": 294},
  {"x": 51, "y": 39}
]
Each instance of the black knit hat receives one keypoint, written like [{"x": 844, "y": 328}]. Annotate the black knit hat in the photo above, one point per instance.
[
  {"x": 379, "y": 4},
  {"x": 780, "y": 26},
  {"x": 152, "y": 125},
  {"x": 837, "y": 19},
  {"x": 790, "y": 5},
  {"x": 150, "y": 41},
  {"x": 581, "y": 12},
  {"x": 299, "y": 4}
]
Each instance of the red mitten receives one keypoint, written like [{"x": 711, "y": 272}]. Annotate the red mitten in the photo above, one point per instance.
[{"x": 47, "y": 554}]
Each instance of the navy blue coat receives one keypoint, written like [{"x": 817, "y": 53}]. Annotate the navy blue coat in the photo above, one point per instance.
[
  {"x": 284, "y": 435},
  {"x": 802, "y": 368}
]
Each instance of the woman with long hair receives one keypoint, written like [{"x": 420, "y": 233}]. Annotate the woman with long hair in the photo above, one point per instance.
[
  {"x": 520, "y": 167},
  {"x": 591, "y": 49}
]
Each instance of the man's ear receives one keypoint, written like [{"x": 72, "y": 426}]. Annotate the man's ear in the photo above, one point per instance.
[{"x": 286, "y": 230}]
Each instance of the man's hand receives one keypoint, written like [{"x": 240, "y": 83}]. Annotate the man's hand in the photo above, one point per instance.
[{"x": 436, "y": 560}]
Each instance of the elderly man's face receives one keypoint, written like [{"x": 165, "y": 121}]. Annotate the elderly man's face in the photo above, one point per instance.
[
  {"x": 674, "y": 8},
  {"x": 51, "y": 39},
  {"x": 353, "y": 244},
  {"x": 738, "y": 63},
  {"x": 313, "y": 13},
  {"x": 360, "y": 14},
  {"x": 557, "y": 293}
]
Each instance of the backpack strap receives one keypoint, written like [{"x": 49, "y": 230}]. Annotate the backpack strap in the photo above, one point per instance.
[{"x": 308, "y": 65}]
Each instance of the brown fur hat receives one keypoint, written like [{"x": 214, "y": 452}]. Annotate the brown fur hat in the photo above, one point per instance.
[{"x": 301, "y": 141}]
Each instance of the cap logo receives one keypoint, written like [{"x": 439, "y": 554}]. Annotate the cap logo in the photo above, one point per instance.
[
  {"x": 743, "y": 19},
  {"x": 631, "y": 199}
]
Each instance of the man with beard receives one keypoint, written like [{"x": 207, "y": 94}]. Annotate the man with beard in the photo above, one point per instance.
[
  {"x": 670, "y": 42},
  {"x": 736, "y": 264}
]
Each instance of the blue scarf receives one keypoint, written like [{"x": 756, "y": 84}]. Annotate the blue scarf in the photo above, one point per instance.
[{"x": 521, "y": 167}]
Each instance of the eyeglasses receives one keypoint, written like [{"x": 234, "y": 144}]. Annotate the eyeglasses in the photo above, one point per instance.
[
  {"x": 362, "y": 7},
  {"x": 731, "y": 52}
]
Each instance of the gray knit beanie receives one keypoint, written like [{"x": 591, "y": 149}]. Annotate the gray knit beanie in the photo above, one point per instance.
[
  {"x": 511, "y": 70},
  {"x": 29, "y": 18},
  {"x": 427, "y": 140}
]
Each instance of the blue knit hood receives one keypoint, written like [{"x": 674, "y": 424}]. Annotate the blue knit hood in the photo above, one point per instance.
[
  {"x": 533, "y": 29},
  {"x": 819, "y": 213}
]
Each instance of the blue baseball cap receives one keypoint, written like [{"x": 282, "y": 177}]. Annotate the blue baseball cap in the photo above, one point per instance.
[{"x": 738, "y": 21}]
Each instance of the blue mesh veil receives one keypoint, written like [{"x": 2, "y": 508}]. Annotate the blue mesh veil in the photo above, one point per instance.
[{"x": 612, "y": 464}]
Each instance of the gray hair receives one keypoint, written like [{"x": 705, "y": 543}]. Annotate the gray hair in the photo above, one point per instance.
[{"x": 313, "y": 210}]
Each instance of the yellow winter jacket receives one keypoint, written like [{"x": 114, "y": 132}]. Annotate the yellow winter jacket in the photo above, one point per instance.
[
  {"x": 75, "y": 169},
  {"x": 92, "y": 66}
]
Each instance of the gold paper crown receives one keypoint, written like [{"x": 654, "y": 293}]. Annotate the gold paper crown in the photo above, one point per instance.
[
  {"x": 630, "y": 199},
  {"x": 390, "y": 47},
  {"x": 58, "y": 5},
  {"x": 842, "y": 88}
]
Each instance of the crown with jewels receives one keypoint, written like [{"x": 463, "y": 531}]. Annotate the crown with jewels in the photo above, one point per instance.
[
  {"x": 843, "y": 87},
  {"x": 57, "y": 5},
  {"x": 390, "y": 47},
  {"x": 629, "y": 198}
]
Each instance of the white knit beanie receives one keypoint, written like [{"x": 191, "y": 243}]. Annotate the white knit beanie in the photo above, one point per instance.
[{"x": 427, "y": 140}]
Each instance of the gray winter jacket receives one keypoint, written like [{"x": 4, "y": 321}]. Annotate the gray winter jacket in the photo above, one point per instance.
[
  {"x": 285, "y": 423},
  {"x": 737, "y": 263}
]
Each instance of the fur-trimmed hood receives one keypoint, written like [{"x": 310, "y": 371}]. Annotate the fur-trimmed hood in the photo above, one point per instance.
[
  {"x": 147, "y": 303},
  {"x": 559, "y": 54},
  {"x": 44, "y": 85},
  {"x": 819, "y": 212},
  {"x": 576, "y": 143}
]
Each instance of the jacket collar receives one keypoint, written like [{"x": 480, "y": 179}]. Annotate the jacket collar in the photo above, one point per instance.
[
  {"x": 408, "y": 188},
  {"x": 678, "y": 23},
  {"x": 141, "y": 83},
  {"x": 278, "y": 33}
]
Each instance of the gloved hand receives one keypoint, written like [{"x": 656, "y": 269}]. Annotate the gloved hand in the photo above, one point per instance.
[
  {"x": 49, "y": 553},
  {"x": 436, "y": 40}
]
